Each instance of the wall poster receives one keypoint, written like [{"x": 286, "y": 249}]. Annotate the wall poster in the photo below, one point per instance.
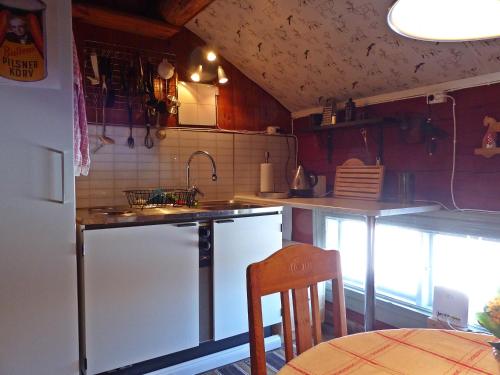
[{"x": 22, "y": 40}]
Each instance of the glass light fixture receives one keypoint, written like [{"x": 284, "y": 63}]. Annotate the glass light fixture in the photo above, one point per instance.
[
  {"x": 211, "y": 56},
  {"x": 221, "y": 75},
  {"x": 196, "y": 75},
  {"x": 446, "y": 20}
]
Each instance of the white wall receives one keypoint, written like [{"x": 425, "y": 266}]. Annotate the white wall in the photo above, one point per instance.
[
  {"x": 38, "y": 298},
  {"x": 116, "y": 167}
]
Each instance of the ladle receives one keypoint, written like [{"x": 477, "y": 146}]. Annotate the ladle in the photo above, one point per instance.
[
  {"x": 161, "y": 132},
  {"x": 105, "y": 140},
  {"x": 130, "y": 139}
]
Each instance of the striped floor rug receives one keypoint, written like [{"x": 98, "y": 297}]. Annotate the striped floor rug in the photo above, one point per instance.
[{"x": 275, "y": 361}]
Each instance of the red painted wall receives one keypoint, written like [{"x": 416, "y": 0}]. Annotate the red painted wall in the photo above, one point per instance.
[
  {"x": 302, "y": 225},
  {"x": 477, "y": 181},
  {"x": 242, "y": 104}
]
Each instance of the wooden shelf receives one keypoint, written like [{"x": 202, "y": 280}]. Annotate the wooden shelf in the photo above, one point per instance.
[
  {"x": 487, "y": 152},
  {"x": 354, "y": 124}
]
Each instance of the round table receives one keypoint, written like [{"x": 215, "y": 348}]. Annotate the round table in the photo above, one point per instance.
[{"x": 399, "y": 351}]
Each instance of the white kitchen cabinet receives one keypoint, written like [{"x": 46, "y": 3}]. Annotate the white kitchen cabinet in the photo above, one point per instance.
[
  {"x": 239, "y": 242},
  {"x": 141, "y": 293}
]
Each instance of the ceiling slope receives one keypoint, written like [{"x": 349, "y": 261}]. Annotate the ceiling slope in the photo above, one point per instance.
[{"x": 303, "y": 51}]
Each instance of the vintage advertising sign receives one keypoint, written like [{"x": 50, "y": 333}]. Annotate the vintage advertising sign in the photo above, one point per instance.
[{"x": 22, "y": 41}]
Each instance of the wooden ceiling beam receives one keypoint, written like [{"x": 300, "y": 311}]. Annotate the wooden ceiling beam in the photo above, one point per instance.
[
  {"x": 179, "y": 12},
  {"x": 111, "y": 19}
]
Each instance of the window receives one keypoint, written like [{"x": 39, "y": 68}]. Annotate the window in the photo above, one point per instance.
[{"x": 409, "y": 262}]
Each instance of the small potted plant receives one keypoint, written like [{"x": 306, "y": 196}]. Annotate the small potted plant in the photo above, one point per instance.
[{"x": 489, "y": 318}]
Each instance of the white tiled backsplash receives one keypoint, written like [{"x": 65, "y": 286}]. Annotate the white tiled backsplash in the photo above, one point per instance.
[{"x": 115, "y": 168}]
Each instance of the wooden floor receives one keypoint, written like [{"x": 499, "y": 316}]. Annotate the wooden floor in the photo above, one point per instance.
[{"x": 275, "y": 360}]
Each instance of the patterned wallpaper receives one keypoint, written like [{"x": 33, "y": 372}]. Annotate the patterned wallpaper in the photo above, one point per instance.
[{"x": 304, "y": 51}]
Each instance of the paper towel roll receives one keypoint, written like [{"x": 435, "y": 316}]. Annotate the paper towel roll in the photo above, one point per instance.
[{"x": 266, "y": 177}]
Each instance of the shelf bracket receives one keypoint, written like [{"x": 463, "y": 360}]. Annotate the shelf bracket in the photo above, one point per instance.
[
  {"x": 329, "y": 145},
  {"x": 380, "y": 145}
]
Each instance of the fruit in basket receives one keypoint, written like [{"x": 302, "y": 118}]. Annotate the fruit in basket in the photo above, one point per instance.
[
  {"x": 160, "y": 197},
  {"x": 156, "y": 197}
]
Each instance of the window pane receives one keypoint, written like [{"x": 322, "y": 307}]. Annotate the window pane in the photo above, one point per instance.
[
  {"x": 410, "y": 262},
  {"x": 352, "y": 245},
  {"x": 400, "y": 262},
  {"x": 331, "y": 235}
]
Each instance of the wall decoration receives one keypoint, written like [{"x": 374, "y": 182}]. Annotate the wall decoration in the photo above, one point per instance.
[
  {"x": 299, "y": 50},
  {"x": 490, "y": 138},
  {"x": 22, "y": 40}
]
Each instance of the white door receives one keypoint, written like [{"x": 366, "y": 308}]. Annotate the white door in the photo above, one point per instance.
[
  {"x": 141, "y": 293},
  {"x": 38, "y": 294},
  {"x": 239, "y": 242}
]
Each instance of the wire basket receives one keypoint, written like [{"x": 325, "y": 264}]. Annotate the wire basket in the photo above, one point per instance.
[{"x": 160, "y": 198}]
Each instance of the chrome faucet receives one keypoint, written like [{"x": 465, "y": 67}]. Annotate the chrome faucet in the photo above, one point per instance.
[{"x": 214, "y": 167}]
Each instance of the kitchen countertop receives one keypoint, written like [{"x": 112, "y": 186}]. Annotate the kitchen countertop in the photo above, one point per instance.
[
  {"x": 89, "y": 218},
  {"x": 346, "y": 206}
]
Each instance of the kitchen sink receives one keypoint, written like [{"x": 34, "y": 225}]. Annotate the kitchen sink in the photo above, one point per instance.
[
  {"x": 227, "y": 205},
  {"x": 111, "y": 211}
]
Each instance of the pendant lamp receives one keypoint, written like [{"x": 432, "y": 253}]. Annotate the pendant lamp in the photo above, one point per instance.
[{"x": 446, "y": 20}]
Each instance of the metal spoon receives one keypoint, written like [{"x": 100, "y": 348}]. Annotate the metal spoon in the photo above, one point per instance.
[
  {"x": 148, "y": 140},
  {"x": 130, "y": 139}
]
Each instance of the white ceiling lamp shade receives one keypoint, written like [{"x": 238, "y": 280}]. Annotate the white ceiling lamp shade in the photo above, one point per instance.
[
  {"x": 446, "y": 20},
  {"x": 221, "y": 75}
]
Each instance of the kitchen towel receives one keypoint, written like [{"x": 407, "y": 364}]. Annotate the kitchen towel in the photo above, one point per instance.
[
  {"x": 266, "y": 177},
  {"x": 81, "y": 157}
]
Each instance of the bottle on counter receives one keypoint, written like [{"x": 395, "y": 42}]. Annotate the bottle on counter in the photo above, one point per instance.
[{"x": 350, "y": 109}]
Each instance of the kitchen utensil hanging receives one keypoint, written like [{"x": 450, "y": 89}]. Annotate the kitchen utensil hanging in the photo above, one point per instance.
[
  {"x": 161, "y": 108},
  {"x": 161, "y": 132},
  {"x": 165, "y": 69},
  {"x": 172, "y": 104},
  {"x": 127, "y": 83},
  {"x": 130, "y": 139},
  {"x": 364, "y": 135},
  {"x": 105, "y": 70},
  {"x": 432, "y": 133},
  {"x": 96, "y": 78},
  {"x": 148, "y": 140},
  {"x": 115, "y": 56}
]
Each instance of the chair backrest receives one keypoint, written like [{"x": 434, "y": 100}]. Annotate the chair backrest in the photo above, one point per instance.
[{"x": 296, "y": 268}]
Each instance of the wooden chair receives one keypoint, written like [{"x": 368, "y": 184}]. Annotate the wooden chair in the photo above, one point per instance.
[{"x": 297, "y": 268}]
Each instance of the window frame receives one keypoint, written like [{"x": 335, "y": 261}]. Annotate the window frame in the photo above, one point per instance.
[{"x": 392, "y": 310}]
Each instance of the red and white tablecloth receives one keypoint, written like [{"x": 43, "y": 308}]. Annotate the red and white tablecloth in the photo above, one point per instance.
[{"x": 399, "y": 351}]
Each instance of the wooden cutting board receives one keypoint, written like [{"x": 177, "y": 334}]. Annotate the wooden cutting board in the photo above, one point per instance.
[{"x": 356, "y": 180}]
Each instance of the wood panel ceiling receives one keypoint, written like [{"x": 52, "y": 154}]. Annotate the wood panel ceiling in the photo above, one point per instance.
[{"x": 154, "y": 18}]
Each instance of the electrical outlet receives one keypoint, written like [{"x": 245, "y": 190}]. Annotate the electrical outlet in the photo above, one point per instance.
[{"x": 435, "y": 98}]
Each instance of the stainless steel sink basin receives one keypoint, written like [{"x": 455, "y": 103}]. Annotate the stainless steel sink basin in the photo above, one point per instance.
[
  {"x": 111, "y": 211},
  {"x": 227, "y": 205}
]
